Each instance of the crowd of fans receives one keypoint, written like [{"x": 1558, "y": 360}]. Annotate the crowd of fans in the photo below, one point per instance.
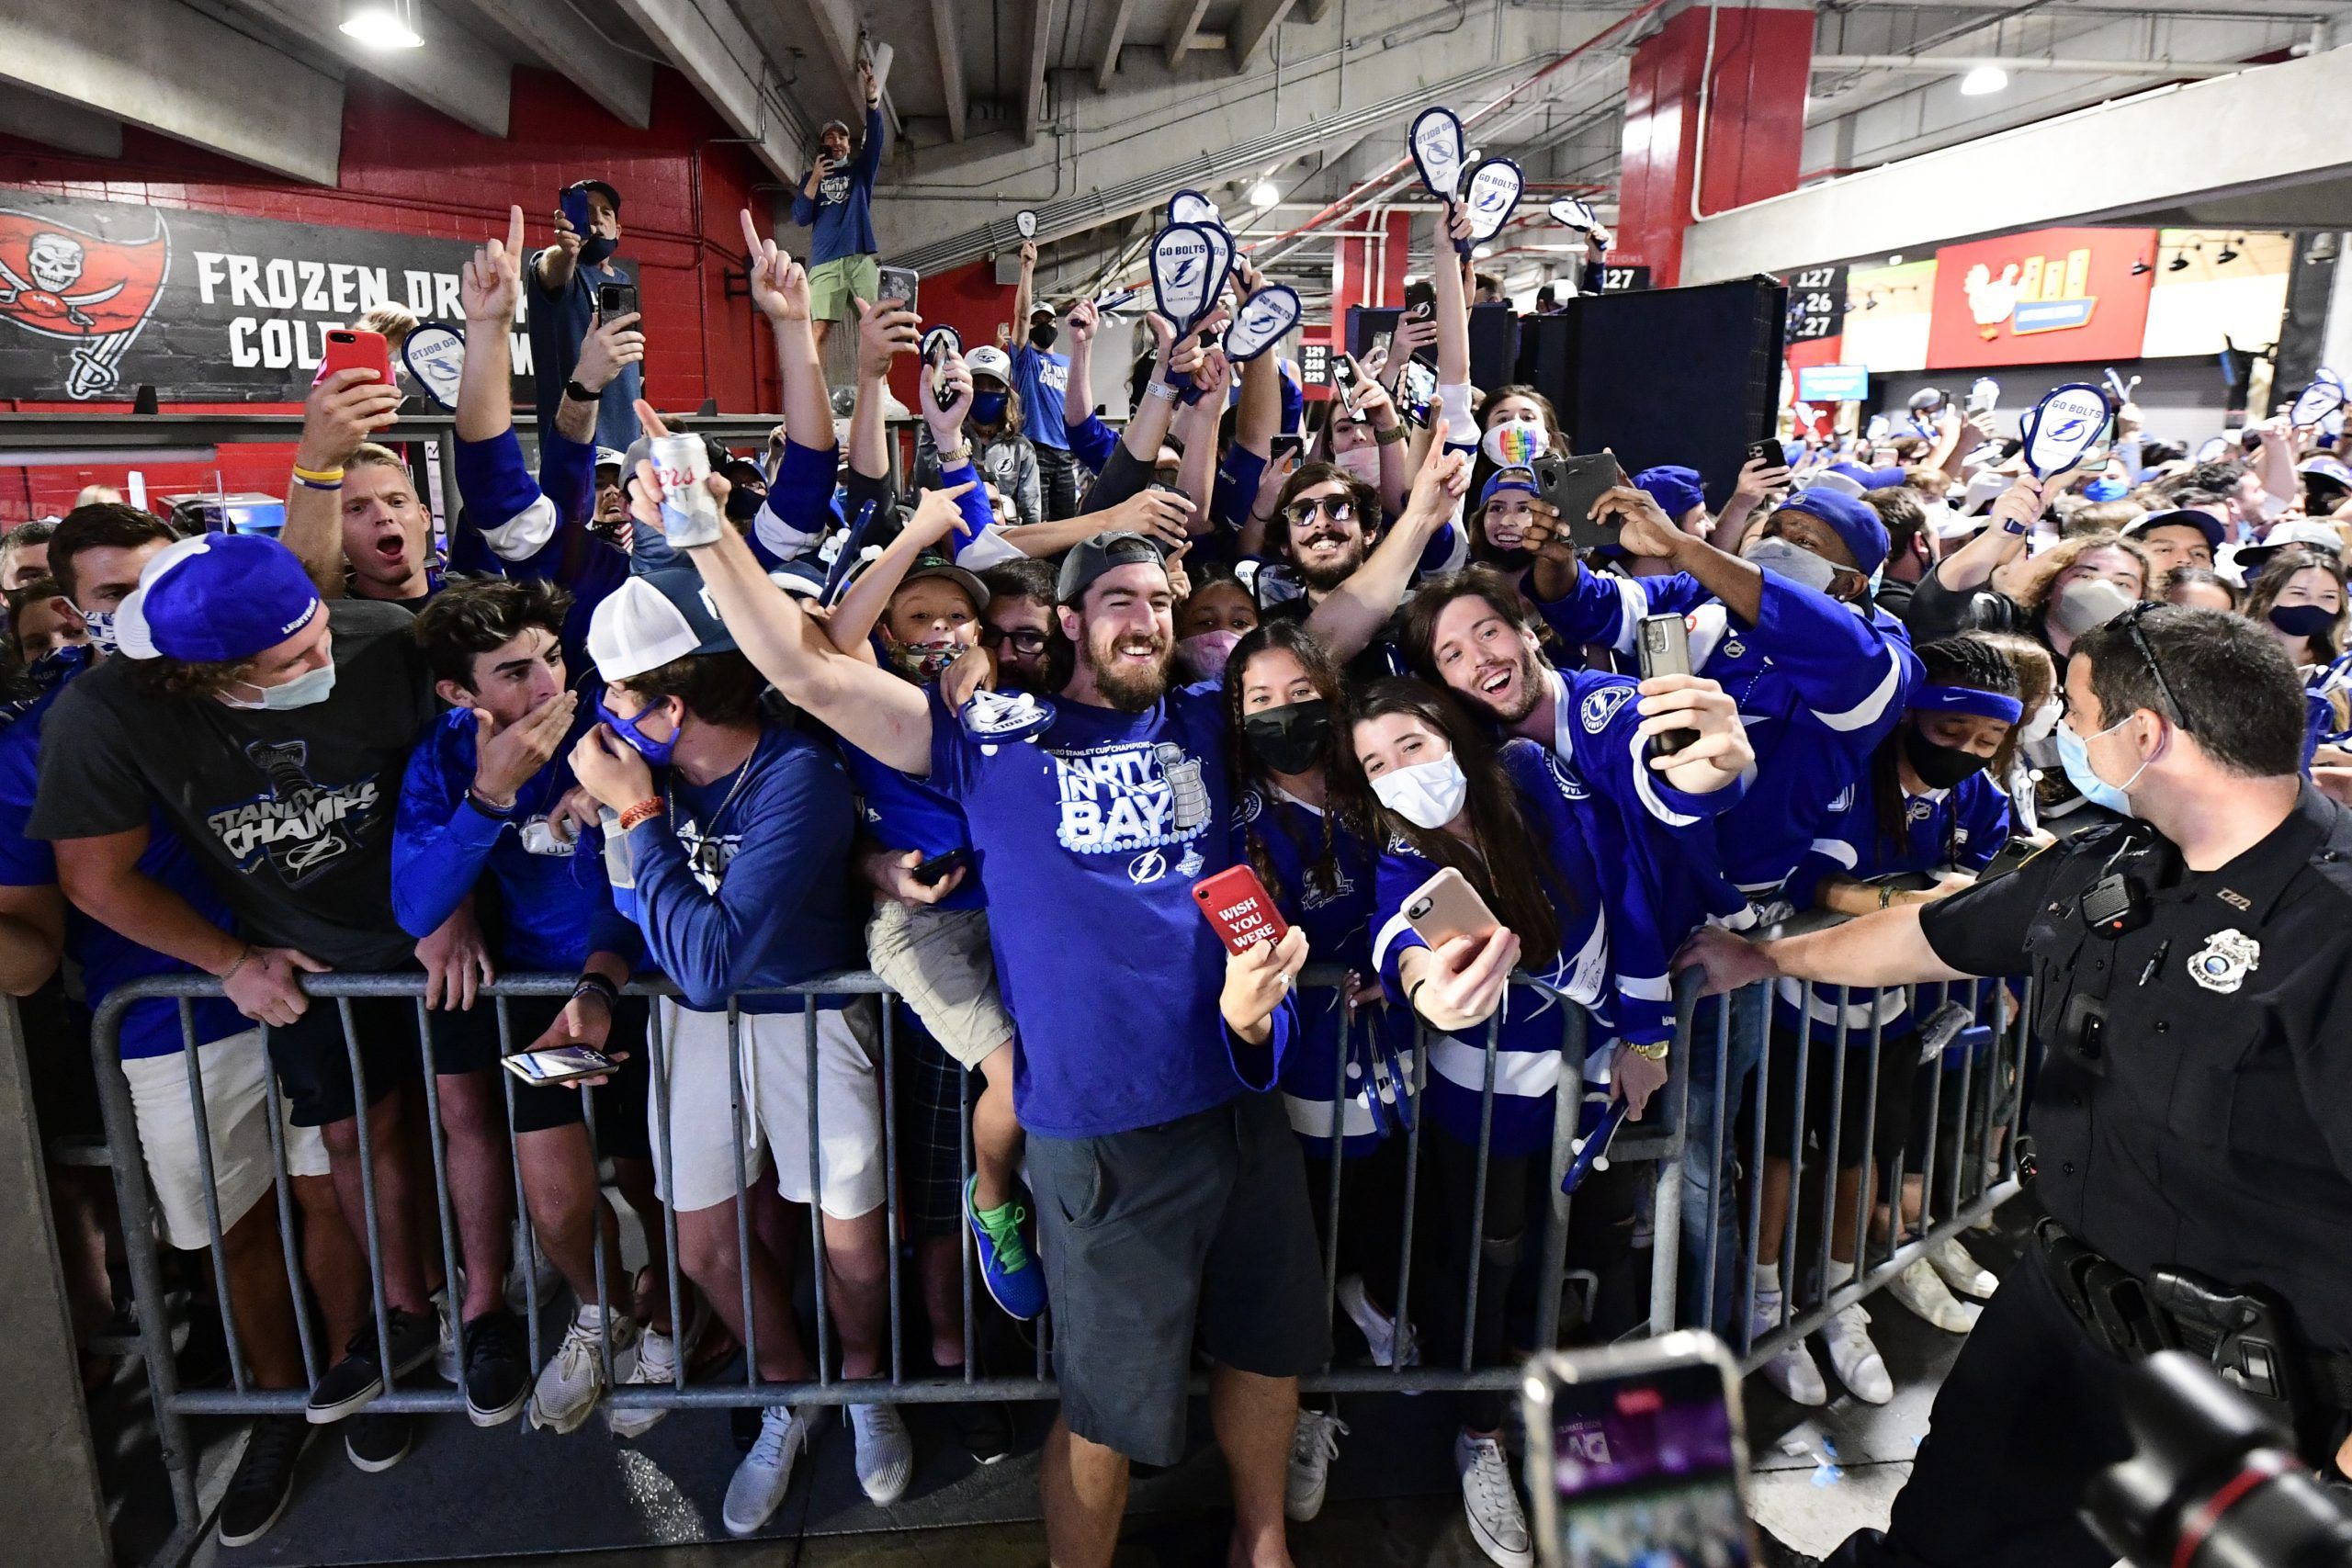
[{"x": 984, "y": 736}]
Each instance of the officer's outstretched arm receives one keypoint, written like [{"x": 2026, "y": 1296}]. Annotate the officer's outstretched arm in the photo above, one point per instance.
[{"x": 1884, "y": 948}]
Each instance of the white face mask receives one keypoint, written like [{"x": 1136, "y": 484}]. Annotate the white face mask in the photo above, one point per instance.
[
  {"x": 1359, "y": 463},
  {"x": 2045, "y": 719},
  {"x": 1792, "y": 561},
  {"x": 1427, "y": 794},
  {"x": 2087, "y": 603},
  {"x": 102, "y": 632},
  {"x": 1515, "y": 443},
  {"x": 310, "y": 686}
]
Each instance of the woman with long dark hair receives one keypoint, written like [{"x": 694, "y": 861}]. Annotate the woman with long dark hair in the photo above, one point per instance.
[
  {"x": 1529, "y": 838},
  {"x": 1347, "y": 1077}
]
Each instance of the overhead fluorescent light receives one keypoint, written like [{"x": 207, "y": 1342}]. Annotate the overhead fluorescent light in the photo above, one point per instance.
[
  {"x": 382, "y": 24},
  {"x": 1982, "y": 80}
]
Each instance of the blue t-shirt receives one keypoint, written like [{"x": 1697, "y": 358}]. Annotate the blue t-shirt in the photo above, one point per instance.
[
  {"x": 1089, "y": 839},
  {"x": 842, "y": 212},
  {"x": 1041, "y": 379},
  {"x": 744, "y": 882},
  {"x": 108, "y": 959},
  {"x": 1958, "y": 828},
  {"x": 557, "y": 323},
  {"x": 548, "y": 904}
]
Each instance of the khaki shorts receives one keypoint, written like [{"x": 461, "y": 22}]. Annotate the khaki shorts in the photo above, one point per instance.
[
  {"x": 940, "y": 961},
  {"x": 832, "y": 284},
  {"x": 236, "y": 1110},
  {"x": 692, "y": 1088}
]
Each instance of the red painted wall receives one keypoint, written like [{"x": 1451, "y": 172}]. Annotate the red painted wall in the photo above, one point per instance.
[
  {"x": 406, "y": 168},
  {"x": 1755, "y": 123}
]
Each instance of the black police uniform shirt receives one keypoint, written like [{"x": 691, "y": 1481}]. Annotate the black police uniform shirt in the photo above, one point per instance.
[
  {"x": 2213, "y": 1132},
  {"x": 290, "y": 812}
]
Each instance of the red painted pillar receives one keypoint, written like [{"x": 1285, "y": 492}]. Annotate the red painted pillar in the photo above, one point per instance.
[{"x": 1754, "y": 84}]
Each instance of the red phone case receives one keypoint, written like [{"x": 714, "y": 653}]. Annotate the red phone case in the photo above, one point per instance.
[
  {"x": 1236, "y": 905},
  {"x": 353, "y": 349}
]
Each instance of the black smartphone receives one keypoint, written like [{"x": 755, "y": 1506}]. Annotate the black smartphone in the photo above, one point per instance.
[
  {"x": 616, "y": 300},
  {"x": 1343, "y": 370},
  {"x": 1767, "y": 453},
  {"x": 930, "y": 871},
  {"x": 1572, "y": 484},
  {"x": 1284, "y": 446},
  {"x": 1664, "y": 644},
  {"x": 1421, "y": 299}
]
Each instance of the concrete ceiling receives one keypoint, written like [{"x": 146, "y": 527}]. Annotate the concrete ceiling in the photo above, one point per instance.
[{"x": 1091, "y": 111}]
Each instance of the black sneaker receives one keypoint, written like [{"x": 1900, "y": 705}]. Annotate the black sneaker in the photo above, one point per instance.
[
  {"x": 378, "y": 1441},
  {"x": 357, "y": 1378},
  {"x": 497, "y": 1368},
  {"x": 263, "y": 1480},
  {"x": 985, "y": 1429}
]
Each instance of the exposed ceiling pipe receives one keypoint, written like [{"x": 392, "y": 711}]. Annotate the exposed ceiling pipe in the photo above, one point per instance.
[{"x": 1954, "y": 64}]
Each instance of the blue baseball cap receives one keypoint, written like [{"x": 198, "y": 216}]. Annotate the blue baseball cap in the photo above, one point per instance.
[
  {"x": 216, "y": 599},
  {"x": 1855, "y": 523},
  {"x": 1510, "y": 479},
  {"x": 2204, "y": 522},
  {"x": 1676, "y": 489}
]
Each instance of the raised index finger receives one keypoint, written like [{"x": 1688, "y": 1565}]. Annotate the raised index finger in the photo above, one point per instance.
[
  {"x": 514, "y": 232},
  {"x": 750, "y": 233},
  {"x": 649, "y": 420}
]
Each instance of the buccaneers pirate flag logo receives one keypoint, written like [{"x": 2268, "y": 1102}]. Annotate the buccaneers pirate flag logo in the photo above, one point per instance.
[{"x": 95, "y": 293}]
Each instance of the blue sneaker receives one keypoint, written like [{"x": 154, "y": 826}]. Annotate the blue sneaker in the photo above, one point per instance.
[{"x": 1012, "y": 1276}]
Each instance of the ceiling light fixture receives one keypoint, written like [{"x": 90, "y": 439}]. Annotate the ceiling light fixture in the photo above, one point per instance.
[
  {"x": 382, "y": 24},
  {"x": 2141, "y": 268},
  {"x": 1982, "y": 80},
  {"x": 2227, "y": 253},
  {"x": 1264, "y": 194},
  {"x": 2179, "y": 263}
]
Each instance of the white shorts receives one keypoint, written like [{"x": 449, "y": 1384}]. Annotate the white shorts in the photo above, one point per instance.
[
  {"x": 235, "y": 1070},
  {"x": 694, "y": 1089}
]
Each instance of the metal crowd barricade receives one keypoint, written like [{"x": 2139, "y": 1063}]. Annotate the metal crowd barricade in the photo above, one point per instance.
[{"x": 1660, "y": 1140}]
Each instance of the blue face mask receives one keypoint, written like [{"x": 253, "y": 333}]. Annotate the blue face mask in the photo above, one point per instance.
[
  {"x": 988, "y": 408},
  {"x": 310, "y": 686},
  {"x": 654, "y": 751},
  {"x": 2075, "y": 754},
  {"x": 60, "y": 662}
]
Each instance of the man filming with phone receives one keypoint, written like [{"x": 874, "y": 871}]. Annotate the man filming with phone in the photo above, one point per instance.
[
  {"x": 836, "y": 202},
  {"x": 569, "y": 287}
]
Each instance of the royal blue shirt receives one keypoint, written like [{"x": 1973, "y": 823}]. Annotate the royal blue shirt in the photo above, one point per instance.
[
  {"x": 1961, "y": 829},
  {"x": 106, "y": 957},
  {"x": 1090, "y": 839},
  {"x": 538, "y": 527},
  {"x": 548, "y": 904},
  {"x": 1817, "y": 685},
  {"x": 557, "y": 324},
  {"x": 842, "y": 210},
  {"x": 1041, "y": 378},
  {"x": 744, "y": 882},
  {"x": 1361, "y": 1067},
  {"x": 904, "y": 813}
]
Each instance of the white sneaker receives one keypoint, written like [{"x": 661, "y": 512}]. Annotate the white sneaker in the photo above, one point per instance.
[
  {"x": 1313, "y": 1446},
  {"x": 1498, "y": 1522},
  {"x": 1378, "y": 1328},
  {"x": 1919, "y": 1288},
  {"x": 1794, "y": 1371},
  {"x": 655, "y": 1366},
  {"x": 885, "y": 1454},
  {"x": 445, "y": 1349},
  {"x": 765, "y": 1474},
  {"x": 573, "y": 1379},
  {"x": 1961, "y": 1271},
  {"x": 1854, "y": 1359}
]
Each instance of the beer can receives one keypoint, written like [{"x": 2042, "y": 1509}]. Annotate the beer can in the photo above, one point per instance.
[{"x": 690, "y": 514}]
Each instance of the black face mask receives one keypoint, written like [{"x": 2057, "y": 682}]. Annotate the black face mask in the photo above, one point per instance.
[
  {"x": 1291, "y": 740},
  {"x": 742, "y": 505},
  {"x": 1938, "y": 767},
  {"x": 1042, "y": 338}
]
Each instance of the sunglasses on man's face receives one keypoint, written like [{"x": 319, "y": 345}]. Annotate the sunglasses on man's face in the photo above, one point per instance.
[{"x": 1338, "y": 508}]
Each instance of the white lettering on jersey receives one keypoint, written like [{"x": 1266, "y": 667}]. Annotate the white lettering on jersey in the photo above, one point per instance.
[{"x": 1121, "y": 799}]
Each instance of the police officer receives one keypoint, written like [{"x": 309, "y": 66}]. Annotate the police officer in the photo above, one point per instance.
[{"x": 2193, "y": 1121}]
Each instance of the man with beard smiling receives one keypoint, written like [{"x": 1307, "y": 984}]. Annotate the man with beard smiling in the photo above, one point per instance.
[{"x": 1165, "y": 1193}]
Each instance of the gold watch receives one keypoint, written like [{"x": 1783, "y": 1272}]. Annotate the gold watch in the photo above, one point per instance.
[{"x": 1654, "y": 1052}]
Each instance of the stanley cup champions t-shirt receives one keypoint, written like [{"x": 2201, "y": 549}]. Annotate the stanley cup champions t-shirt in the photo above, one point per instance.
[
  {"x": 1089, "y": 842},
  {"x": 289, "y": 812}
]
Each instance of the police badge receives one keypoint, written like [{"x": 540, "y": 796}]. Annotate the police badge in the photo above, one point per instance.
[{"x": 2221, "y": 963}]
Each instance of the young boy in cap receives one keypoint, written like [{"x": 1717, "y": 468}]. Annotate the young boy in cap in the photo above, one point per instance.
[
  {"x": 738, "y": 834},
  {"x": 484, "y": 799},
  {"x": 1166, "y": 1194},
  {"x": 270, "y": 728}
]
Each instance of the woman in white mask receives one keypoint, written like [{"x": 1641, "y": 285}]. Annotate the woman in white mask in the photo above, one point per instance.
[
  {"x": 2082, "y": 583},
  {"x": 1532, "y": 844}
]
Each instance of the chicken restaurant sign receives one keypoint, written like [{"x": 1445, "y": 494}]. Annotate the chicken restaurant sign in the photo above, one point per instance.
[{"x": 2047, "y": 297}]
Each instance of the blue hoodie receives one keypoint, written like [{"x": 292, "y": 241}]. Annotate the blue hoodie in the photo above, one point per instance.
[{"x": 842, "y": 212}]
